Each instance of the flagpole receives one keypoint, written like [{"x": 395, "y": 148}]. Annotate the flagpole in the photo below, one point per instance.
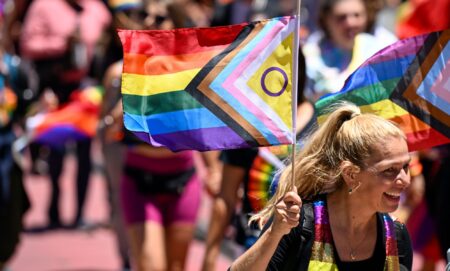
[{"x": 295, "y": 87}]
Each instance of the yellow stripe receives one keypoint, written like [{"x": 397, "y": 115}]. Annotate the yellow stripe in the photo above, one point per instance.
[
  {"x": 144, "y": 85},
  {"x": 321, "y": 266},
  {"x": 385, "y": 109}
]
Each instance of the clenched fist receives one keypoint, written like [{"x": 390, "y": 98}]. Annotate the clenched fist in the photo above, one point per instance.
[{"x": 287, "y": 213}]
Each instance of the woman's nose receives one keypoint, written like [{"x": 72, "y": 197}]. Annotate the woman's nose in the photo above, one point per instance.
[{"x": 404, "y": 178}]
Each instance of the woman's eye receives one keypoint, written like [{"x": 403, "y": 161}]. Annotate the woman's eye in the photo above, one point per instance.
[{"x": 390, "y": 172}]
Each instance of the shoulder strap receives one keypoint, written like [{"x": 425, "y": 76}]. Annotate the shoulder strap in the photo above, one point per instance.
[
  {"x": 304, "y": 244},
  {"x": 403, "y": 245},
  {"x": 307, "y": 236}
]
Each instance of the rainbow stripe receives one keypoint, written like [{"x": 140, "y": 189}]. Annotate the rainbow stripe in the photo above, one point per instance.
[
  {"x": 262, "y": 183},
  {"x": 76, "y": 120},
  {"x": 407, "y": 83},
  {"x": 121, "y": 5},
  {"x": 323, "y": 251},
  {"x": 225, "y": 87}
]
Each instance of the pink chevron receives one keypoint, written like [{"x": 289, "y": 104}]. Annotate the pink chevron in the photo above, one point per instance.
[
  {"x": 442, "y": 87},
  {"x": 228, "y": 84}
]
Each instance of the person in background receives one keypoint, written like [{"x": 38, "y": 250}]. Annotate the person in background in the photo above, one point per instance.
[
  {"x": 335, "y": 213},
  {"x": 238, "y": 167},
  {"x": 59, "y": 36},
  {"x": 126, "y": 15},
  {"x": 159, "y": 190},
  {"x": 14, "y": 202},
  {"x": 348, "y": 36}
]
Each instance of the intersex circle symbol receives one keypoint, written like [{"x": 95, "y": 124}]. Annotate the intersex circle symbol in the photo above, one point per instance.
[{"x": 263, "y": 83}]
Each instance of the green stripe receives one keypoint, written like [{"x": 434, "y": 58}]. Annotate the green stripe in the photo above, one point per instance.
[
  {"x": 361, "y": 96},
  {"x": 159, "y": 103}
]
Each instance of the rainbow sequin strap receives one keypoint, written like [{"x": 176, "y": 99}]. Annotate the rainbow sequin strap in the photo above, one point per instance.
[
  {"x": 323, "y": 256},
  {"x": 392, "y": 261}
]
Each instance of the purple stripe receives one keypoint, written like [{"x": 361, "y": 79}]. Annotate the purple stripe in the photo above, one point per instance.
[
  {"x": 387, "y": 226},
  {"x": 401, "y": 48},
  {"x": 58, "y": 136},
  {"x": 146, "y": 138},
  {"x": 218, "y": 138},
  {"x": 321, "y": 218}
]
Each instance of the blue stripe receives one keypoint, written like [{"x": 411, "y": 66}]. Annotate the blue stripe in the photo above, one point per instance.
[
  {"x": 378, "y": 72},
  {"x": 170, "y": 122},
  {"x": 424, "y": 89},
  {"x": 216, "y": 85}
]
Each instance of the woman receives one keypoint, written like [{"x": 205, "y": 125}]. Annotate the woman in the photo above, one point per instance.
[
  {"x": 350, "y": 175},
  {"x": 160, "y": 191},
  {"x": 347, "y": 38}
]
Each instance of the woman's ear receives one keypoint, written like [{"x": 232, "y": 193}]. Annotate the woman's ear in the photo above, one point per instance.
[{"x": 349, "y": 173}]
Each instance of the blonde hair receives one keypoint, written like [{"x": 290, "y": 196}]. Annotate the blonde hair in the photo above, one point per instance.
[{"x": 346, "y": 135}]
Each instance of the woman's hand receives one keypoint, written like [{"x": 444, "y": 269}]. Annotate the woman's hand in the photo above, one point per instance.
[{"x": 287, "y": 213}]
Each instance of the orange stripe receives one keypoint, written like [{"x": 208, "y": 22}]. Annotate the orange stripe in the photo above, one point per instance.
[
  {"x": 410, "y": 124},
  {"x": 154, "y": 65}
]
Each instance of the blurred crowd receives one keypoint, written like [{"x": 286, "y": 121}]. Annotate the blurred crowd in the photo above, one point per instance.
[{"x": 53, "y": 51}]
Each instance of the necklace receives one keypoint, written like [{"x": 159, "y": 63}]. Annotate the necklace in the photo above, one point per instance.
[
  {"x": 352, "y": 255},
  {"x": 352, "y": 250}
]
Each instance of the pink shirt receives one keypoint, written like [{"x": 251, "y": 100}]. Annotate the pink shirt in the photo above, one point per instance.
[{"x": 49, "y": 24}]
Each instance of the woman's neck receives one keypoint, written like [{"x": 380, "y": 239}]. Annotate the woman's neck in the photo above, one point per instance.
[
  {"x": 353, "y": 226},
  {"x": 346, "y": 213}
]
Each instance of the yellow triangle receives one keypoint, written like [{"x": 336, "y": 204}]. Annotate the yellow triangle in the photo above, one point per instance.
[{"x": 281, "y": 58}]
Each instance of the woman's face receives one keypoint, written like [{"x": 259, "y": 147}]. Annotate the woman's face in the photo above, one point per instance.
[
  {"x": 385, "y": 176},
  {"x": 346, "y": 19}
]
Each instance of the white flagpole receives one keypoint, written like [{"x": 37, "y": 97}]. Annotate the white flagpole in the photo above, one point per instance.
[{"x": 295, "y": 86}]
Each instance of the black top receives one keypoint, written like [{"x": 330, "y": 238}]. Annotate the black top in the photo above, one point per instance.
[
  {"x": 242, "y": 158},
  {"x": 374, "y": 263}
]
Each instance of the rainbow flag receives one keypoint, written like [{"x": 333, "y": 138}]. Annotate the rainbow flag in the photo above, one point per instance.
[
  {"x": 408, "y": 83},
  {"x": 210, "y": 88},
  {"x": 76, "y": 120}
]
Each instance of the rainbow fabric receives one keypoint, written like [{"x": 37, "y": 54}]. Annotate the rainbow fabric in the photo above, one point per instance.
[
  {"x": 210, "y": 88},
  {"x": 76, "y": 120},
  {"x": 261, "y": 185},
  {"x": 422, "y": 16},
  {"x": 322, "y": 255},
  {"x": 120, "y": 5},
  {"x": 407, "y": 83}
]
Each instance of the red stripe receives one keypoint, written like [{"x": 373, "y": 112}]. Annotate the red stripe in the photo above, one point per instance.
[
  {"x": 178, "y": 41},
  {"x": 425, "y": 139}
]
